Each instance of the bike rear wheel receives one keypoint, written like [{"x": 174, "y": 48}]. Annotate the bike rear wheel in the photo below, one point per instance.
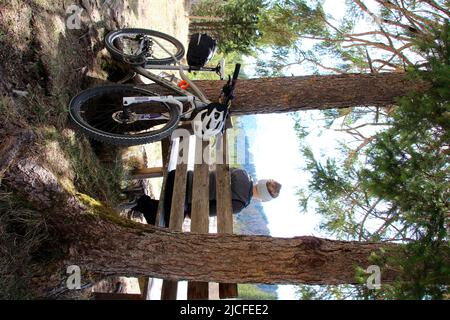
[
  {"x": 98, "y": 113},
  {"x": 124, "y": 45}
]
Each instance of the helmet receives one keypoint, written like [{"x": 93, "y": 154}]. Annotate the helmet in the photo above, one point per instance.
[{"x": 209, "y": 122}]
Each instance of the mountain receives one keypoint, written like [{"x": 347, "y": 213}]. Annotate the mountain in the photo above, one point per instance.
[{"x": 252, "y": 220}]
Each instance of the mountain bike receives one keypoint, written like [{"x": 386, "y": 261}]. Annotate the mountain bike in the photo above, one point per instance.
[{"x": 131, "y": 115}]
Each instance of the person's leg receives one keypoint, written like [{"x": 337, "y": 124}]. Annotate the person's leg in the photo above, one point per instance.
[
  {"x": 188, "y": 199},
  {"x": 168, "y": 193},
  {"x": 150, "y": 215},
  {"x": 149, "y": 207}
]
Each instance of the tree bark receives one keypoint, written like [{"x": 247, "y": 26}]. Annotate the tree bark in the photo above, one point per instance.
[
  {"x": 287, "y": 94},
  {"x": 207, "y": 24},
  {"x": 102, "y": 243},
  {"x": 160, "y": 253},
  {"x": 208, "y": 18}
]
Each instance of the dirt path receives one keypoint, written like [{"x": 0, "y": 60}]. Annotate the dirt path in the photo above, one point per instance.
[
  {"x": 53, "y": 45},
  {"x": 169, "y": 16},
  {"x": 50, "y": 49}
]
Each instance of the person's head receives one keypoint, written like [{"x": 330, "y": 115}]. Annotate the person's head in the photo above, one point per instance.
[{"x": 266, "y": 190}]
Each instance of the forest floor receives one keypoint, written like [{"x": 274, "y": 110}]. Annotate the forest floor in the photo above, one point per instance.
[{"x": 51, "y": 50}]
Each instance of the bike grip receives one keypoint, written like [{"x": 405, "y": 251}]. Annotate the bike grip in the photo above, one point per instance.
[{"x": 237, "y": 68}]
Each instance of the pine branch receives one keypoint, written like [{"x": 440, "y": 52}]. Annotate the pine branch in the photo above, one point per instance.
[
  {"x": 369, "y": 212},
  {"x": 437, "y": 6}
]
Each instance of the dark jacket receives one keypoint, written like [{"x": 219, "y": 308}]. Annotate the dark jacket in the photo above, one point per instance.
[
  {"x": 241, "y": 195},
  {"x": 241, "y": 190}
]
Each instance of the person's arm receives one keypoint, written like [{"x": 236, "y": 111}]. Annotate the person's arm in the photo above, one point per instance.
[
  {"x": 241, "y": 185},
  {"x": 237, "y": 206}
]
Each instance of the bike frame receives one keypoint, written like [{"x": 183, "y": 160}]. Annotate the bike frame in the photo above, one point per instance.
[
  {"x": 118, "y": 113},
  {"x": 196, "y": 101},
  {"x": 177, "y": 100},
  {"x": 183, "y": 67}
]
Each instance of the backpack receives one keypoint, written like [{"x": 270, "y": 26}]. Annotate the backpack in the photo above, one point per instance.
[{"x": 201, "y": 49}]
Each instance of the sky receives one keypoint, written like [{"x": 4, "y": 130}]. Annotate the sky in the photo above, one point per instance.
[{"x": 277, "y": 156}]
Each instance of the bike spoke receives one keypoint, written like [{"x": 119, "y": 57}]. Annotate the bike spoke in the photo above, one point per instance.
[
  {"x": 100, "y": 113},
  {"x": 103, "y": 122},
  {"x": 100, "y": 116}
]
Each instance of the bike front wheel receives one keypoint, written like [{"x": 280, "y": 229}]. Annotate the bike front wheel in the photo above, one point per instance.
[
  {"x": 127, "y": 45},
  {"x": 99, "y": 113}
]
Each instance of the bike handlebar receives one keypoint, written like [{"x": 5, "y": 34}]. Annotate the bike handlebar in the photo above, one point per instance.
[
  {"x": 228, "y": 89},
  {"x": 237, "y": 68}
]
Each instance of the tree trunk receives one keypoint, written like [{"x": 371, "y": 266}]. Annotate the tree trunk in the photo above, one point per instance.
[
  {"x": 208, "y": 18},
  {"x": 101, "y": 243},
  {"x": 160, "y": 253},
  {"x": 286, "y": 94},
  {"x": 205, "y": 24}
]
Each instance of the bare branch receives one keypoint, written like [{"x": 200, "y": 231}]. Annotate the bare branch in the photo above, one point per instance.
[
  {"x": 418, "y": 22},
  {"x": 325, "y": 67},
  {"x": 437, "y": 6},
  {"x": 361, "y": 126},
  {"x": 369, "y": 211},
  {"x": 374, "y": 33},
  {"x": 353, "y": 154},
  {"x": 388, "y": 63},
  {"x": 369, "y": 61}
]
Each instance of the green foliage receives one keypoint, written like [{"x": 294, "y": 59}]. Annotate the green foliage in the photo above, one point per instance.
[
  {"x": 245, "y": 26},
  {"x": 322, "y": 43},
  {"x": 252, "y": 292},
  {"x": 237, "y": 31},
  {"x": 331, "y": 292},
  {"x": 400, "y": 184},
  {"x": 230, "y": 60},
  {"x": 409, "y": 167},
  {"x": 282, "y": 22}
]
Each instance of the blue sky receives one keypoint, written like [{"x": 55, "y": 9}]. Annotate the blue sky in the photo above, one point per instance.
[{"x": 277, "y": 156}]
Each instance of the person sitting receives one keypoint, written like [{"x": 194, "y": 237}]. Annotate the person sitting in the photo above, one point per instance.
[{"x": 243, "y": 190}]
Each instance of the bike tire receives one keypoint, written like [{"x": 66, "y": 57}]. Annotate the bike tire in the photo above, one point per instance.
[
  {"x": 133, "y": 59},
  {"x": 79, "y": 104}
]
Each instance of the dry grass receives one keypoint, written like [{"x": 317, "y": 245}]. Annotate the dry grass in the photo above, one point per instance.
[
  {"x": 40, "y": 57},
  {"x": 23, "y": 231},
  {"x": 71, "y": 157}
]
